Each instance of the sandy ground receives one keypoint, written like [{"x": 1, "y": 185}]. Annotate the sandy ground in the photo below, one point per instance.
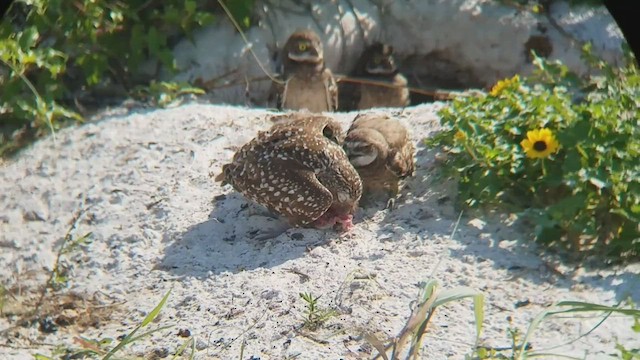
[{"x": 159, "y": 222}]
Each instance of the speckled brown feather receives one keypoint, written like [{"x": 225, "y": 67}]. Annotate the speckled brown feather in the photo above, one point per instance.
[
  {"x": 298, "y": 170},
  {"x": 308, "y": 84},
  {"x": 395, "y": 159}
]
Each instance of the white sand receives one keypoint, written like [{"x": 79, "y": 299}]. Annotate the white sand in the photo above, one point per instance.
[{"x": 230, "y": 288}]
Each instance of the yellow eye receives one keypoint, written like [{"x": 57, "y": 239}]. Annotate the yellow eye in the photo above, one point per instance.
[
  {"x": 377, "y": 60},
  {"x": 302, "y": 47}
]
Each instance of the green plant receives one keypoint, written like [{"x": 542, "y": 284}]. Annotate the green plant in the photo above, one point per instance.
[
  {"x": 634, "y": 353},
  {"x": 59, "y": 277},
  {"x": 101, "y": 348},
  {"x": 130, "y": 338},
  {"x": 430, "y": 299},
  {"x": 164, "y": 93},
  {"x": 519, "y": 348},
  {"x": 55, "y": 55},
  {"x": 570, "y": 307},
  {"x": 315, "y": 316},
  {"x": 585, "y": 196}
]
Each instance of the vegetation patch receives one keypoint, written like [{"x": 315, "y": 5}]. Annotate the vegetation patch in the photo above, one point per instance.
[
  {"x": 60, "y": 60},
  {"x": 561, "y": 151}
]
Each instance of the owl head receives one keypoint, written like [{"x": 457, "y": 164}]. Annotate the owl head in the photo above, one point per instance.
[
  {"x": 377, "y": 59},
  {"x": 364, "y": 146},
  {"x": 303, "y": 46}
]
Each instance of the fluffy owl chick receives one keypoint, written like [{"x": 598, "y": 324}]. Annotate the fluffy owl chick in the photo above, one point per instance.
[
  {"x": 298, "y": 170},
  {"x": 308, "y": 84},
  {"x": 380, "y": 149},
  {"x": 376, "y": 63}
]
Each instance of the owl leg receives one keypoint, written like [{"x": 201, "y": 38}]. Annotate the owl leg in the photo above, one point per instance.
[
  {"x": 392, "y": 191},
  {"x": 391, "y": 204}
]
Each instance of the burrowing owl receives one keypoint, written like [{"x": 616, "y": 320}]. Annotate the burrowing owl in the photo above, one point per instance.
[
  {"x": 376, "y": 63},
  {"x": 380, "y": 149},
  {"x": 308, "y": 84},
  {"x": 298, "y": 170}
]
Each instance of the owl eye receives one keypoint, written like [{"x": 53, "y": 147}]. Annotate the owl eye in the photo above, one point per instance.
[
  {"x": 377, "y": 60},
  {"x": 329, "y": 134},
  {"x": 302, "y": 47}
]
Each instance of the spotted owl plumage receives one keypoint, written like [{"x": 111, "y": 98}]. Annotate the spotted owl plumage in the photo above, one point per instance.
[
  {"x": 307, "y": 83},
  {"x": 381, "y": 150},
  {"x": 298, "y": 170}
]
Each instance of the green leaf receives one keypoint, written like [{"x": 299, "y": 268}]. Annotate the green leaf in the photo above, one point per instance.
[
  {"x": 149, "y": 318},
  {"x": 600, "y": 184},
  {"x": 154, "y": 313},
  {"x": 203, "y": 18},
  {"x": 190, "y": 6},
  {"x": 459, "y": 293},
  {"x": 241, "y": 11},
  {"x": 28, "y": 37},
  {"x": 155, "y": 41},
  {"x": 41, "y": 357}
]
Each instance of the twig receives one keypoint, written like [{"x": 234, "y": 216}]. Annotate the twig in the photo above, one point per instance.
[
  {"x": 67, "y": 238},
  {"x": 246, "y": 41},
  {"x": 208, "y": 85},
  {"x": 440, "y": 95},
  {"x": 47, "y": 285}
]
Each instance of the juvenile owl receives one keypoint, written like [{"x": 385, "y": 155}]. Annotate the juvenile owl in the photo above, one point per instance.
[
  {"x": 308, "y": 84},
  {"x": 298, "y": 170},
  {"x": 380, "y": 149},
  {"x": 376, "y": 63}
]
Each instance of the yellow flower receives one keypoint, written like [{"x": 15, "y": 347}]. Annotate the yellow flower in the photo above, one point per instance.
[
  {"x": 502, "y": 84},
  {"x": 539, "y": 143},
  {"x": 460, "y": 136}
]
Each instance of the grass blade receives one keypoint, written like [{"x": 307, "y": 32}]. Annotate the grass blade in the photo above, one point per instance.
[
  {"x": 148, "y": 333},
  {"x": 574, "y": 307},
  {"x": 377, "y": 344},
  {"x": 130, "y": 338},
  {"x": 182, "y": 347},
  {"x": 154, "y": 313},
  {"x": 461, "y": 293}
]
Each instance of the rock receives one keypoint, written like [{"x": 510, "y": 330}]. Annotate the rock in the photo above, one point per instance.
[{"x": 445, "y": 44}]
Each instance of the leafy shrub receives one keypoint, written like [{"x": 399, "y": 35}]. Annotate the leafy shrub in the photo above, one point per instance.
[
  {"x": 54, "y": 53},
  {"x": 583, "y": 195}
]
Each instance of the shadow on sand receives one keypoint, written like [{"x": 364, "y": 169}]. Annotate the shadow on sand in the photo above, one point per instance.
[
  {"x": 238, "y": 236},
  {"x": 230, "y": 240}
]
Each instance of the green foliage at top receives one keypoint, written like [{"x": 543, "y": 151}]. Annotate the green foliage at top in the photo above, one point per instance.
[
  {"x": 54, "y": 52},
  {"x": 583, "y": 197}
]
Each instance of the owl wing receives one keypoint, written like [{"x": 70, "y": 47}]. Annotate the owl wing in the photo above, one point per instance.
[
  {"x": 301, "y": 197},
  {"x": 402, "y": 161}
]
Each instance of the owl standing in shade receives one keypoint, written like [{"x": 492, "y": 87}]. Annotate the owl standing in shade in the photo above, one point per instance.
[
  {"x": 377, "y": 64},
  {"x": 308, "y": 84}
]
